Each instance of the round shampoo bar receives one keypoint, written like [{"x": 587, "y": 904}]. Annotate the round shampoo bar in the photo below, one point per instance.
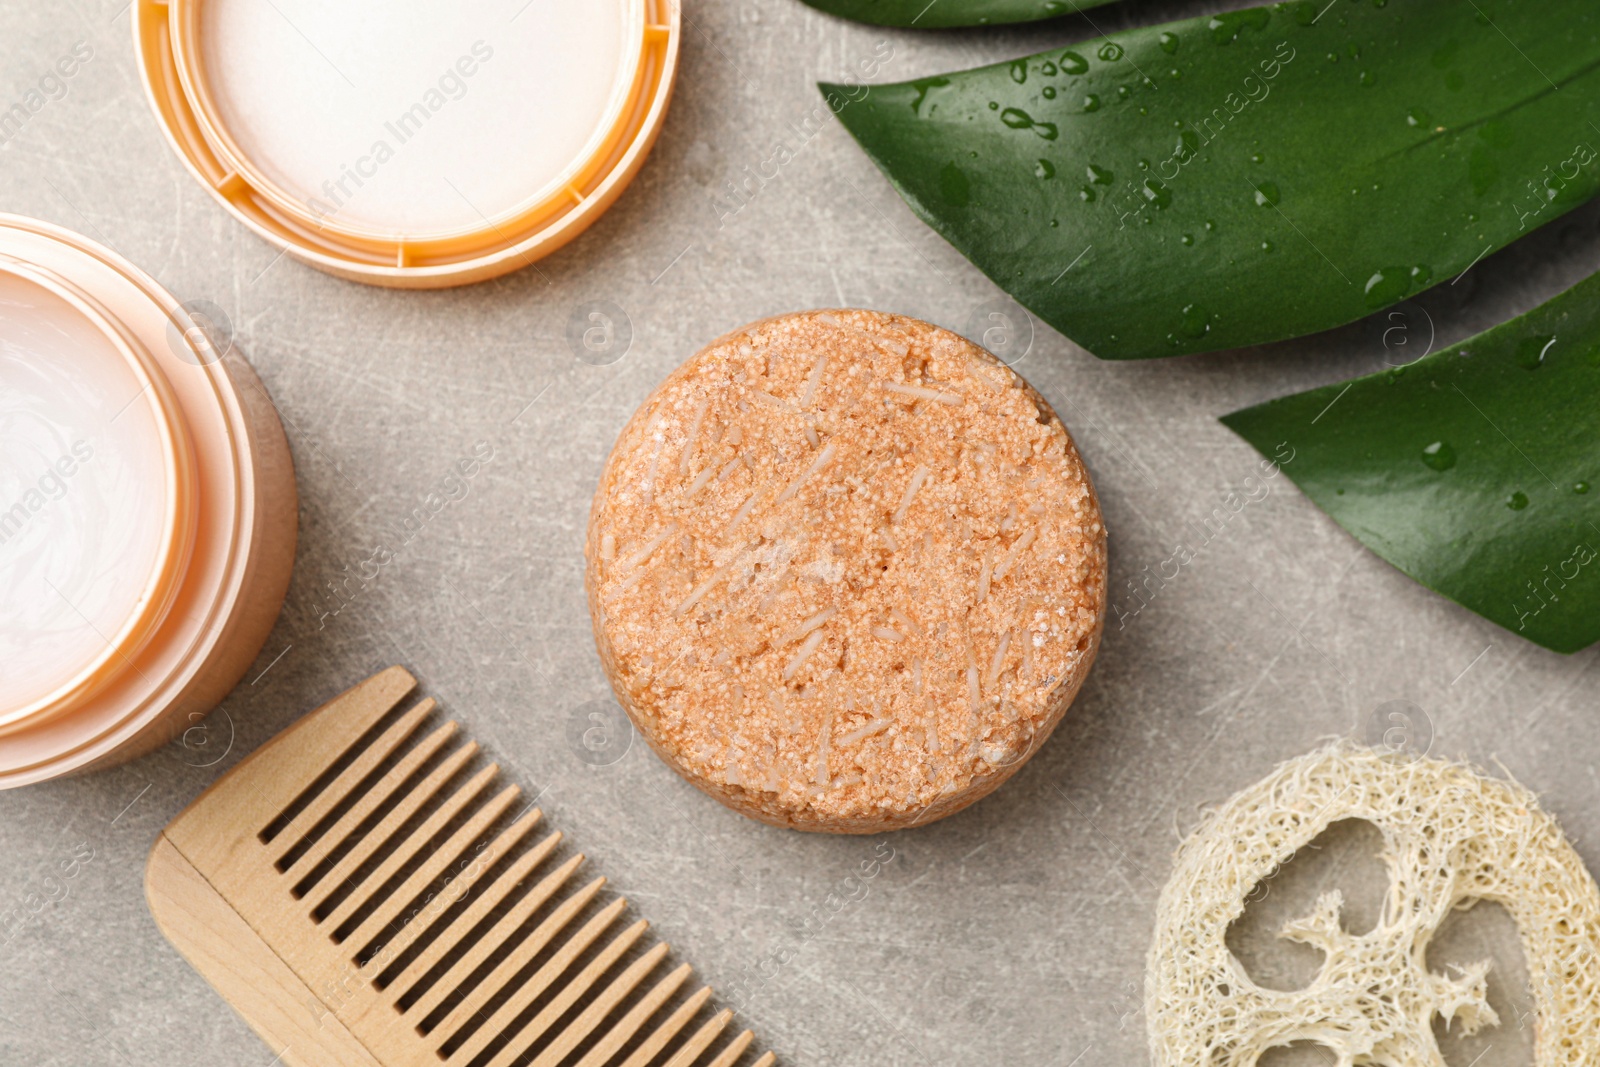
[
  {"x": 147, "y": 510},
  {"x": 846, "y": 571},
  {"x": 411, "y": 143}
]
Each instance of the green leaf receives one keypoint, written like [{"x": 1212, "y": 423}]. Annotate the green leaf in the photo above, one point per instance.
[
  {"x": 933, "y": 14},
  {"x": 1255, "y": 176},
  {"x": 1470, "y": 469}
]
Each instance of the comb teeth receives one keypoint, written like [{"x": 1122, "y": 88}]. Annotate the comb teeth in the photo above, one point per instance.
[
  {"x": 410, "y": 849},
  {"x": 525, "y": 992},
  {"x": 321, "y": 805},
  {"x": 455, "y": 932},
  {"x": 651, "y": 1047},
  {"x": 602, "y": 1005},
  {"x": 501, "y": 935},
  {"x": 702, "y": 1039},
  {"x": 430, "y": 869},
  {"x": 564, "y": 998},
  {"x": 373, "y": 858},
  {"x": 369, "y": 844},
  {"x": 369, "y": 802},
  {"x": 629, "y": 1025},
  {"x": 464, "y": 883}
]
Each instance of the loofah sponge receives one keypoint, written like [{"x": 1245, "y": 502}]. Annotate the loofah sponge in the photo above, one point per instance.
[{"x": 1451, "y": 838}]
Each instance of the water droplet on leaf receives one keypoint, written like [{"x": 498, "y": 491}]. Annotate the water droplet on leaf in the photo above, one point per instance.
[
  {"x": 922, "y": 86},
  {"x": 1391, "y": 285},
  {"x": 1439, "y": 455},
  {"x": 1196, "y": 322},
  {"x": 1225, "y": 29}
]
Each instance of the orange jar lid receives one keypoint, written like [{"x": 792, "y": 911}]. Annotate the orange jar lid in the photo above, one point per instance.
[{"x": 406, "y": 142}]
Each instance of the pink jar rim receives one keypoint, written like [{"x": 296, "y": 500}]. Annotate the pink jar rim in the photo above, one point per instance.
[
  {"x": 176, "y": 540},
  {"x": 207, "y": 591}
]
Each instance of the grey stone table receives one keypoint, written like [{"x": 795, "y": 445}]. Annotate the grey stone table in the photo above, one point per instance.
[{"x": 1014, "y": 932}]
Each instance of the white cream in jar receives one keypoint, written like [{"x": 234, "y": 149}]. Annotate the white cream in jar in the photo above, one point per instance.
[{"x": 147, "y": 509}]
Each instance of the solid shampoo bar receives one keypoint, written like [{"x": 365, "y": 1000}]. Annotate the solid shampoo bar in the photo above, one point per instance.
[{"x": 846, "y": 571}]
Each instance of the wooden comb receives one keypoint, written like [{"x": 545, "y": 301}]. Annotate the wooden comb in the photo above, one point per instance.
[{"x": 362, "y": 896}]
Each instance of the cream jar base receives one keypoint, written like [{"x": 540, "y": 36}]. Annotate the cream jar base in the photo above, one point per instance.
[
  {"x": 264, "y": 588},
  {"x": 229, "y": 589}
]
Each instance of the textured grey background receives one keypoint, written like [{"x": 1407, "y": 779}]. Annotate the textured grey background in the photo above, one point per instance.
[{"x": 1014, "y": 932}]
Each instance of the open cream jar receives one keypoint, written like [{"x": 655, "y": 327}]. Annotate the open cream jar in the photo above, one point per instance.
[{"x": 147, "y": 510}]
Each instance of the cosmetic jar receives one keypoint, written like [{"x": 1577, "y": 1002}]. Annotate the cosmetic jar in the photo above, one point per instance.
[
  {"x": 411, "y": 143},
  {"x": 147, "y": 509}
]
